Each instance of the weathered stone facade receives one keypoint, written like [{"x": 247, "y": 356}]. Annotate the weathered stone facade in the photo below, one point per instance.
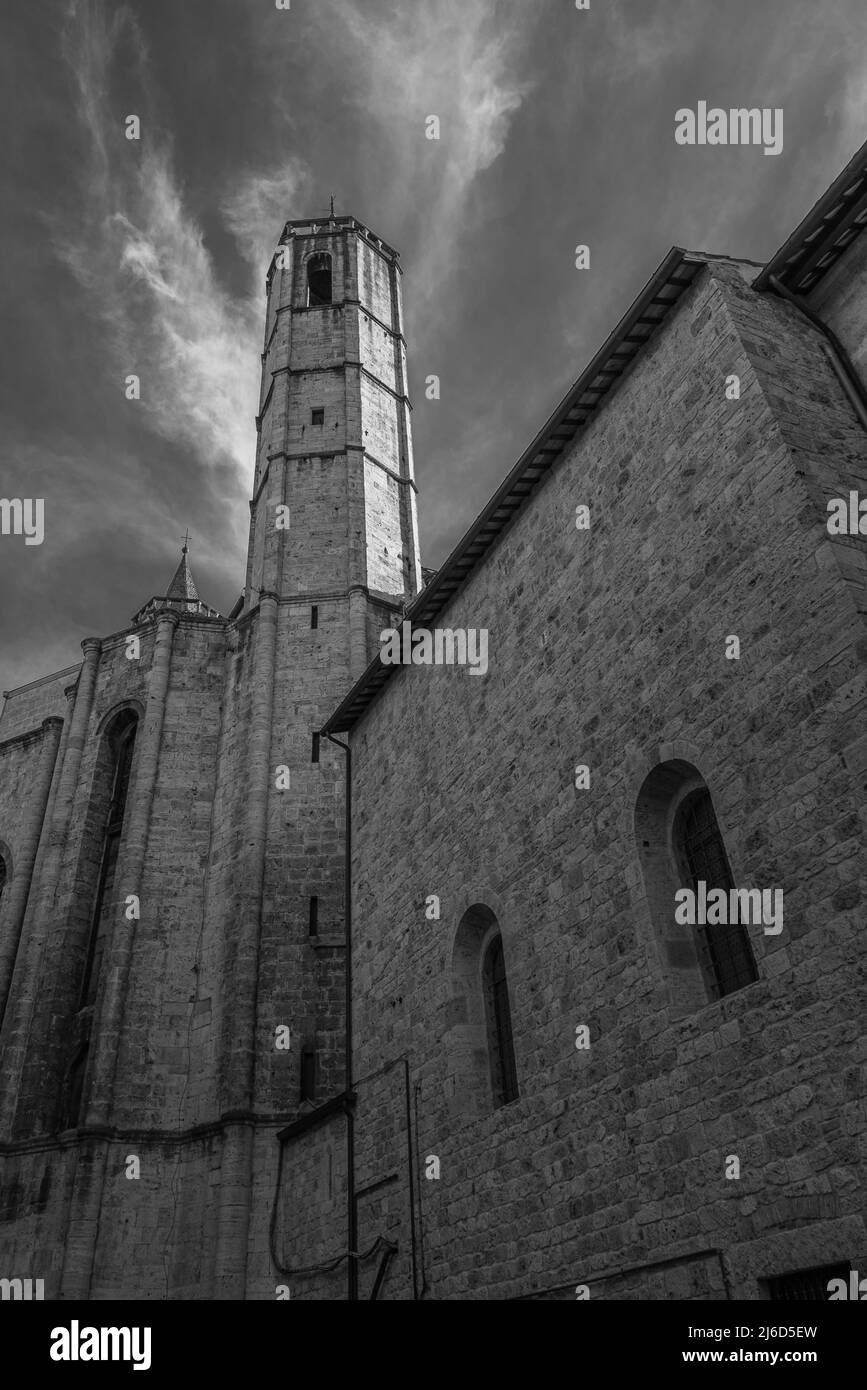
[
  {"x": 611, "y": 1167},
  {"x": 180, "y": 1064},
  {"x": 608, "y": 650}
]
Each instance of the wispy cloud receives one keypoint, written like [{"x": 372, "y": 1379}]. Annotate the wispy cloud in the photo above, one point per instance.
[
  {"x": 460, "y": 60},
  {"x": 93, "y": 498},
  {"x": 141, "y": 253},
  {"x": 646, "y": 37},
  {"x": 73, "y": 484},
  {"x": 847, "y": 107},
  {"x": 257, "y": 209}
]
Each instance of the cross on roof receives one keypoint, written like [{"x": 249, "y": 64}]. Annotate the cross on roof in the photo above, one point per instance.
[{"x": 186, "y": 540}]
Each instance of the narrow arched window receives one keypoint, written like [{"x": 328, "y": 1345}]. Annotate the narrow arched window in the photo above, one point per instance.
[
  {"x": 121, "y": 743},
  {"x": 319, "y": 280},
  {"x": 3, "y": 877},
  {"x": 103, "y": 836},
  {"x": 724, "y": 951},
  {"x": 680, "y": 845},
  {"x": 477, "y": 1042},
  {"x": 501, "y": 1050}
]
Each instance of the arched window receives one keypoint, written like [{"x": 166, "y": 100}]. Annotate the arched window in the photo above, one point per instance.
[
  {"x": 319, "y": 280},
  {"x": 103, "y": 833},
  {"x": 3, "y": 878},
  {"x": 498, "y": 1016},
  {"x": 479, "y": 1049},
  {"x": 725, "y": 952},
  {"x": 120, "y": 738},
  {"x": 680, "y": 845}
]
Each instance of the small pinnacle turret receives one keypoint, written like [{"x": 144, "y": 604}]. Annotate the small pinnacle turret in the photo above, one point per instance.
[{"x": 181, "y": 594}]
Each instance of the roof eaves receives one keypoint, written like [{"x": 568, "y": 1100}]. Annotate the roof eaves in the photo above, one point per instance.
[
  {"x": 828, "y": 230},
  {"x": 42, "y": 680}
]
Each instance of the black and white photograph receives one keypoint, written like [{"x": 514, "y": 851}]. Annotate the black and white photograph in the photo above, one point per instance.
[{"x": 433, "y": 650}]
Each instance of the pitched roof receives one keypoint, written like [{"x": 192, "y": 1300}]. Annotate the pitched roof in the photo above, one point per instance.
[
  {"x": 838, "y": 217},
  {"x": 183, "y": 585},
  {"x": 652, "y": 307},
  {"x": 182, "y": 595}
]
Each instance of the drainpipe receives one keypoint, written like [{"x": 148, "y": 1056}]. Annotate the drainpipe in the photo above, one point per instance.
[
  {"x": 424, "y": 1284},
  {"x": 352, "y": 1205},
  {"x": 410, "y": 1170},
  {"x": 834, "y": 350}
]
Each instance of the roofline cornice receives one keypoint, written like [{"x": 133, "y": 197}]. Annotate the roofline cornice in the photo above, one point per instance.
[{"x": 822, "y": 237}]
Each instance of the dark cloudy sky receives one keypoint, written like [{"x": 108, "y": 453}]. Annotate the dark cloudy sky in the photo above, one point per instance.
[{"x": 149, "y": 257}]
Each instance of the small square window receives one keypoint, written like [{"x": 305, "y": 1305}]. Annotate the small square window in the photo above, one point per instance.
[
  {"x": 318, "y": 417},
  {"x": 308, "y": 1073}
]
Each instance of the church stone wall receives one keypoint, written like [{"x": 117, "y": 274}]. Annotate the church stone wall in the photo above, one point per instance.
[
  {"x": 151, "y": 1063},
  {"x": 828, "y": 446},
  {"x": 301, "y": 977},
  {"x": 33, "y": 1195},
  {"x": 24, "y": 709},
  {"x": 607, "y": 649},
  {"x": 239, "y": 828},
  {"x": 165, "y": 1055},
  {"x": 170, "y": 1086},
  {"x": 840, "y": 299},
  {"x": 19, "y": 767},
  {"x": 377, "y": 349},
  {"x": 311, "y": 1225}
]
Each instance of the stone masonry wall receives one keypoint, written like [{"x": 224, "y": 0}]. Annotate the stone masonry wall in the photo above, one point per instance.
[
  {"x": 24, "y": 709},
  {"x": 223, "y": 955},
  {"x": 169, "y": 1089},
  {"x": 607, "y": 648},
  {"x": 840, "y": 299},
  {"x": 311, "y": 1211}
]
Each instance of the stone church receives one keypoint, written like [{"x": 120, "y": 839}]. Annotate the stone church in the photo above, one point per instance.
[{"x": 326, "y": 978}]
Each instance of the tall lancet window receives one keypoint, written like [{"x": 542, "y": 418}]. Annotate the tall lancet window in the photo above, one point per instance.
[
  {"x": 319, "y": 280},
  {"x": 724, "y": 951},
  {"x": 478, "y": 1045},
  {"x": 2, "y": 878},
  {"x": 680, "y": 845},
  {"x": 104, "y": 832},
  {"x": 501, "y": 1051},
  {"x": 121, "y": 743}
]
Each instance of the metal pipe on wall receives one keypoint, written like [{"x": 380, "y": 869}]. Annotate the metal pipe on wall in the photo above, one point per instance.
[{"x": 352, "y": 1205}]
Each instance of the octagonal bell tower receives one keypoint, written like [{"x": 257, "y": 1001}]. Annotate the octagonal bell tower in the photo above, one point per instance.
[{"x": 333, "y": 513}]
